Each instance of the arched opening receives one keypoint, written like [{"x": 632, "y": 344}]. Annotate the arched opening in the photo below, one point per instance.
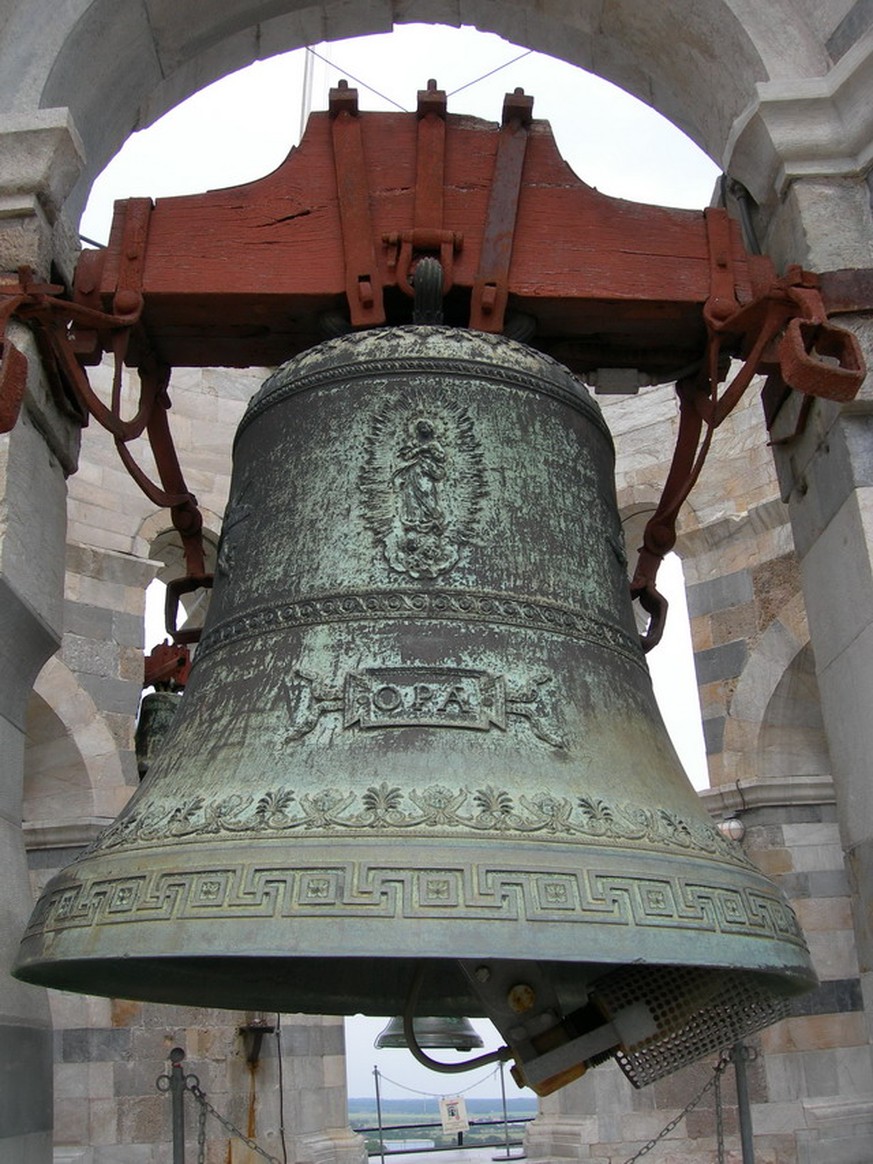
[
  {"x": 628, "y": 150},
  {"x": 671, "y": 663},
  {"x": 697, "y": 64},
  {"x": 167, "y": 549},
  {"x": 57, "y": 786}
]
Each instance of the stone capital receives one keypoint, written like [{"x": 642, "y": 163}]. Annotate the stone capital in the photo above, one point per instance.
[
  {"x": 42, "y": 159},
  {"x": 804, "y": 128},
  {"x": 42, "y": 156}
]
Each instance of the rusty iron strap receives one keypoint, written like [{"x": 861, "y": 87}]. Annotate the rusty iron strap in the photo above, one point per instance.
[
  {"x": 659, "y": 536},
  {"x": 363, "y": 280},
  {"x": 40, "y": 304},
  {"x": 173, "y": 493},
  {"x": 427, "y": 235},
  {"x": 430, "y": 159},
  {"x": 51, "y": 317},
  {"x": 722, "y": 302},
  {"x": 847, "y": 290},
  {"x": 792, "y": 307},
  {"x": 13, "y": 368},
  {"x": 491, "y": 285}
]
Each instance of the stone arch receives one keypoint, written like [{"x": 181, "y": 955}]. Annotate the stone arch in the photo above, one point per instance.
[
  {"x": 165, "y": 549},
  {"x": 636, "y": 505},
  {"x": 775, "y": 695},
  {"x": 117, "y": 68},
  {"x": 792, "y": 739},
  {"x": 73, "y": 771},
  {"x": 165, "y": 545}
]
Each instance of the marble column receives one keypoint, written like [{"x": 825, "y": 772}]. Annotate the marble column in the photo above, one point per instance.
[{"x": 40, "y": 161}]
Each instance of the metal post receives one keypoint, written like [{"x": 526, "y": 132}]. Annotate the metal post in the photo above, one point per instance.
[
  {"x": 177, "y": 1094},
  {"x": 742, "y": 1055},
  {"x": 507, "y": 1154},
  {"x": 378, "y": 1114}
]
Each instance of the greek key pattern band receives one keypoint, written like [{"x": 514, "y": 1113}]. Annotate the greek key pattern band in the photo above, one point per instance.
[
  {"x": 363, "y": 890},
  {"x": 443, "y": 604}
]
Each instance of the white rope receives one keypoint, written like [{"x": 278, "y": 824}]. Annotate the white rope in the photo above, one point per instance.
[{"x": 433, "y": 1094}]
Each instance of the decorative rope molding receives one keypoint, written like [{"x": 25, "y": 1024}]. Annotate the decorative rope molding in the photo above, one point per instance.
[{"x": 443, "y": 604}]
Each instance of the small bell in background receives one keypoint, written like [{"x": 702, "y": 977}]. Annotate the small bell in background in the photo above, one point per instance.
[
  {"x": 453, "y": 1034},
  {"x": 167, "y": 668}
]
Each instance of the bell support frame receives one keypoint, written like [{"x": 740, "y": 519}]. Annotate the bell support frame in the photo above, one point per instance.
[{"x": 256, "y": 273}]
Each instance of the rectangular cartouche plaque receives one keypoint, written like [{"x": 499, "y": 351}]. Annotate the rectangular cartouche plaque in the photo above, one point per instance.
[{"x": 380, "y": 697}]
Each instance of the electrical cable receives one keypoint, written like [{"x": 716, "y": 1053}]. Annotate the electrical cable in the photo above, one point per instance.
[
  {"x": 491, "y": 73},
  {"x": 499, "y": 1056},
  {"x": 357, "y": 80}
]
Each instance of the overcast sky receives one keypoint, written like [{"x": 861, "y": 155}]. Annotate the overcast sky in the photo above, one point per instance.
[{"x": 243, "y": 127}]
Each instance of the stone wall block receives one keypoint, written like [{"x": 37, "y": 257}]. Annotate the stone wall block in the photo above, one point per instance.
[
  {"x": 775, "y": 583},
  {"x": 90, "y": 656},
  {"x": 725, "y": 661},
  {"x": 833, "y": 959},
  {"x": 24, "y": 231},
  {"x": 814, "y": 1033},
  {"x": 836, "y": 623},
  {"x": 807, "y": 858},
  {"x": 827, "y": 916},
  {"x": 738, "y": 622},
  {"x": 42, "y": 154},
  {"x": 32, "y": 522},
  {"x": 785, "y": 1077},
  {"x": 720, "y": 593},
  {"x": 42, "y": 158},
  {"x": 845, "y": 685},
  {"x": 854, "y": 1071}
]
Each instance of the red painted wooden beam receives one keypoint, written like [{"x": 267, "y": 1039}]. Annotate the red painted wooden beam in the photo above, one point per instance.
[{"x": 246, "y": 275}]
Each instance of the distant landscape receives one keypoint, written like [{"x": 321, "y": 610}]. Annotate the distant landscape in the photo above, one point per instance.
[{"x": 399, "y": 1117}]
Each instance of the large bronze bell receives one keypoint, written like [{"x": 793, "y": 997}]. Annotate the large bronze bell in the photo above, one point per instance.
[{"x": 419, "y": 764}]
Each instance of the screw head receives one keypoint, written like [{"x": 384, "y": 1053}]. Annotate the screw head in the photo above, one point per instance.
[{"x": 521, "y": 997}]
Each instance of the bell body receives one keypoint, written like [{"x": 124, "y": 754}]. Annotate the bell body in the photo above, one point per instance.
[
  {"x": 432, "y": 1032},
  {"x": 419, "y": 725},
  {"x": 156, "y": 714}
]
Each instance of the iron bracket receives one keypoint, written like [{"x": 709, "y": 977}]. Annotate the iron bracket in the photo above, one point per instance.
[
  {"x": 786, "y": 332},
  {"x": 167, "y": 663},
  {"x": 427, "y": 236},
  {"x": 491, "y": 285},
  {"x": 363, "y": 280},
  {"x": 55, "y": 321}
]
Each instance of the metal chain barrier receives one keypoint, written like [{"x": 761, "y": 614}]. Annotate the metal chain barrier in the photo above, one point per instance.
[
  {"x": 714, "y": 1082},
  {"x": 177, "y": 1083},
  {"x": 719, "y": 1122}
]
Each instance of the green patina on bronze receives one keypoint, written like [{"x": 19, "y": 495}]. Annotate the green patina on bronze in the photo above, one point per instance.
[{"x": 419, "y": 725}]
